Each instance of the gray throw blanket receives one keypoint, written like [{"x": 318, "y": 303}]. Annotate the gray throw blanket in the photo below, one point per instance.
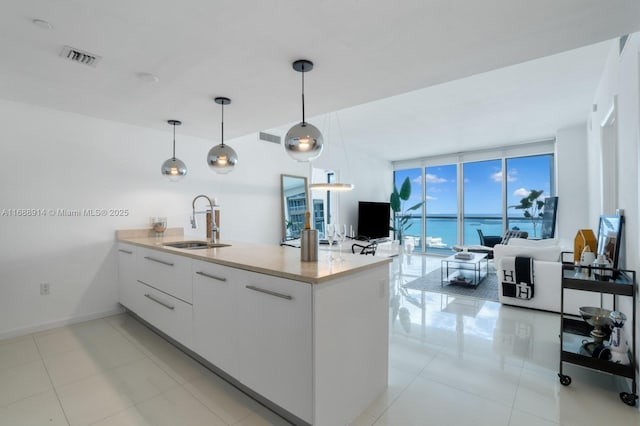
[{"x": 517, "y": 277}]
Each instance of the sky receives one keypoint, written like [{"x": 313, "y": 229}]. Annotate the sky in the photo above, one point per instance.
[{"x": 482, "y": 185}]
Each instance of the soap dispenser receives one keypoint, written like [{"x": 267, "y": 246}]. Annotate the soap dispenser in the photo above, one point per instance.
[{"x": 308, "y": 241}]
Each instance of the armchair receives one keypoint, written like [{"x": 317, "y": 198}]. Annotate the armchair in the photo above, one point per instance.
[{"x": 489, "y": 240}]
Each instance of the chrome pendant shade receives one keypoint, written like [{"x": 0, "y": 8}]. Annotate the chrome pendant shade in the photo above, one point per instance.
[
  {"x": 222, "y": 158},
  {"x": 303, "y": 142},
  {"x": 174, "y": 169}
]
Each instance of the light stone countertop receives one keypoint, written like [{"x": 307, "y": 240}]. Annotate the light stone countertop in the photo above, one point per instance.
[{"x": 273, "y": 260}]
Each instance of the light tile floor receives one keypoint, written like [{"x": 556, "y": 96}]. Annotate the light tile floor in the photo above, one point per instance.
[{"x": 453, "y": 361}]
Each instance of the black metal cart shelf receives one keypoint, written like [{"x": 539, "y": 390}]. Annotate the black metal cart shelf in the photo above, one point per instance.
[{"x": 573, "y": 331}]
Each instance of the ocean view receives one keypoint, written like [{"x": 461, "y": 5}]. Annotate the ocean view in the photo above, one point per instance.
[{"x": 442, "y": 230}]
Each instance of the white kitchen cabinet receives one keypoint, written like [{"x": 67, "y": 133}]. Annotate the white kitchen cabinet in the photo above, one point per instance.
[
  {"x": 215, "y": 321},
  {"x": 172, "y": 316},
  {"x": 316, "y": 353},
  {"x": 167, "y": 272},
  {"x": 274, "y": 332},
  {"x": 127, "y": 275}
]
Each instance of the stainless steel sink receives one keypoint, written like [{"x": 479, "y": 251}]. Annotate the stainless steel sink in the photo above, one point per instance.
[{"x": 194, "y": 245}]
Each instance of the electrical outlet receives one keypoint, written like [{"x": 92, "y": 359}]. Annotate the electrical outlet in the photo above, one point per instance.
[{"x": 44, "y": 289}]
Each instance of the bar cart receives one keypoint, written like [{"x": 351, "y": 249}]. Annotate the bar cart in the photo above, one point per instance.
[{"x": 575, "y": 347}]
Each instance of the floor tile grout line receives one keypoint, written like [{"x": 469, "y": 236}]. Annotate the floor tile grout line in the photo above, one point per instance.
[
  {"x": 112, "y": 415},
  {"x": 189, "y": 381},
  {"x": 102, "y": 372},
  {"x": 23, "y": 362},
  {"x": 375, "y": 420},
  {"x": 207, "y": 407},
  {"x": 466, "y": 392},
  {"x": 515, "y": 395},
  {"x": 137, "y": 343},
  {"x": 53, "y": 387},
  {"x": 405, "y": 387}
]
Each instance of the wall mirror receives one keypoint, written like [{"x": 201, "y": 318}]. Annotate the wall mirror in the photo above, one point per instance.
[
  {"x": 294, "y": 205},
  {"x": 609, "y": 237}
]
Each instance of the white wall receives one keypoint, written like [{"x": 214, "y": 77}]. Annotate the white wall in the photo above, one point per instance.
[
  {"x": 571, "y": 181},
  {"x": 621, "y": 78},
  {"x": 372, "y": 177},
  {"x": 58, "y": 160}
]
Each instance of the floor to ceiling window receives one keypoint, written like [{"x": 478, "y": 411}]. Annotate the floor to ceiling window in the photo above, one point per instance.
[
  {"x": 464, "y": 193},
  {"x": 441, "y": 195},
  {"x": 482, "y": 189},
  {"x": 525, "y": 174},
  {"x": 413, "y": 227}
]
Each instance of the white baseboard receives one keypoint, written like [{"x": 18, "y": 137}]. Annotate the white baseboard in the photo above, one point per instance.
[{"x": 59, "y": 323}]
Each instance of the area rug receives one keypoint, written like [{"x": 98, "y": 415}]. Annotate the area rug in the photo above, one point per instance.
[{"x": 487, "y": 289}]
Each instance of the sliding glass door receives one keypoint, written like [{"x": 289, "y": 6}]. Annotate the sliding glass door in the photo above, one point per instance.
[
  {"x": 413, "y": 227},
  {"x": 474, "y": 193},
  {"x": 483, "y": 203},
  {"x": 526, "y": 174},
  {"x": 441, "y": 195}
]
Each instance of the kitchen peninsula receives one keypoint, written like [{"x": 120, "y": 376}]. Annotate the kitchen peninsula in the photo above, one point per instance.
[{"x": 309, "y": 339}]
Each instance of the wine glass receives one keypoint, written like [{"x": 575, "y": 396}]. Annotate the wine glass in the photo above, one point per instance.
[
  {"x": 341, "y": 234},
  {"x": 330, "y": 233}
]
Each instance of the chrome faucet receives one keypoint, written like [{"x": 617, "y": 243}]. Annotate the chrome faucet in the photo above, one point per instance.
[{"x": 212, "y": 228}]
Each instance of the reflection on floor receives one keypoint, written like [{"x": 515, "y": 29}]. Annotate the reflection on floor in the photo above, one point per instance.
[
  {"x": 453, "y": 361},
  {"x": 457, "y": 360}
]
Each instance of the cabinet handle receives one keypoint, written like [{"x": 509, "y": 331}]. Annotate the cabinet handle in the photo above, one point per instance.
[
  {"x": 204, "y": 274},
  {"x": 125, "y": 251},
  {"x": 159, "y": 261},
  {"x": 160, "y": 302},
  {"x": 272, "y": 293}
]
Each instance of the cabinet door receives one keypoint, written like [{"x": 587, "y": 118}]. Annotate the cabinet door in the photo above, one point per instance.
[
  {"x": 275, "y": 340},
  {"x": 127, "y": 275},
  {"x": 172, "y": 316},
  {"x": 214, "y": 314},
  {"x": 170, "y": 273}
]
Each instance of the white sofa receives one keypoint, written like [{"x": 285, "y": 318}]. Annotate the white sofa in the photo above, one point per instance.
[{"x": 547, "y": 270}]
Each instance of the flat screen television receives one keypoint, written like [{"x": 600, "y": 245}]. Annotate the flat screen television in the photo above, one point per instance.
[{"x": 373, "y": 219}]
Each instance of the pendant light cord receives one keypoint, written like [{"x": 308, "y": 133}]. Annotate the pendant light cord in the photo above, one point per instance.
[
  {"x": 222, "y": 125},
  {"x": 174, "y": 141},
  {"x": 303, "y": 94},
  {"x": 344, "y": 146}
]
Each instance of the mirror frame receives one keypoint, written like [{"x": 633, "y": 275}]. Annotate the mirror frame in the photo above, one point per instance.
[
  {"x": 610, "y": 236},
  {"x": 283, "y": 201}
]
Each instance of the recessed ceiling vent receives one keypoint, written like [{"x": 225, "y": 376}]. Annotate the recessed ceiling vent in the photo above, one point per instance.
[
  {"x": 80, "y": 56},
  {"x": 268, "y": 137}
]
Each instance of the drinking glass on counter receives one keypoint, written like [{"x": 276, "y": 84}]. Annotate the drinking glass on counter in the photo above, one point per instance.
[
  {"x": 330, "y": 234},
  {"x": 341, "y": 235},
  {"x": 159, "y": 225}
]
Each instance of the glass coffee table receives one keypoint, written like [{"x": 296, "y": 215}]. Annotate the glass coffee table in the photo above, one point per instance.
[{"x": 469, "y": 271}]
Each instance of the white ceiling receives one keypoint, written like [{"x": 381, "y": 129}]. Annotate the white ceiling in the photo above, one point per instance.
[{"x": 364, "y": 51}]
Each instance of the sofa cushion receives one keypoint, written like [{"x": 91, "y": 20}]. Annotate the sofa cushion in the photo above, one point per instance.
[
  {"x": 549, "y": 253},
  {"x": 513, "y": 233},
  {"x": 524, "y": 242}
]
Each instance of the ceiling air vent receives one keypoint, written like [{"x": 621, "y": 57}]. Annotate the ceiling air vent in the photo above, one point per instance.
[
  {"x": 269, "y": 138},
  {"x": 80, "y": 56}
]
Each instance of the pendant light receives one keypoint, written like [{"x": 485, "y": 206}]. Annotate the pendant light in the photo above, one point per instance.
[
  {"x": 334, "y": 186},
  {"x": 222, "y": 158},
  {"x": 174, "y": 169},
  {"x": 303, "y": 141}
]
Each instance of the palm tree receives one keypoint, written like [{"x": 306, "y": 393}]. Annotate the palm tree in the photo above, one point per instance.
[{"x": 532, "y": 206}]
